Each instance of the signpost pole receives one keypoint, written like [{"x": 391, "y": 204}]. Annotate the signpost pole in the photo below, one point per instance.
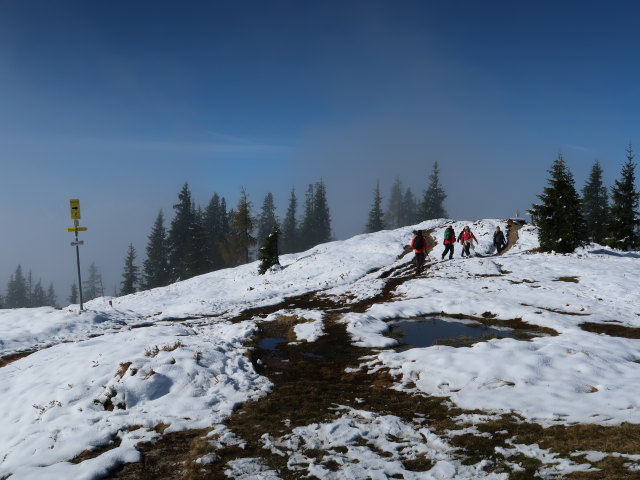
[
  {"x": 78, "y": 262},
  {"x": 75, "y": 216}
]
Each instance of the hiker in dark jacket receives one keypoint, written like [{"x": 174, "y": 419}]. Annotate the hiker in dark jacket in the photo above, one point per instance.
[
  {"x": 498, "y": 240},
  {"x": 449, "y": 242},
  {"x": 419, "y": 246}
]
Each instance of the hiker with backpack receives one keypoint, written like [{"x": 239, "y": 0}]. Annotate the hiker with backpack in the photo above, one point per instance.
[
  {"x": 465, "y": 238},
  {"x": 449, "y": 242},
  {"x": 419, "y": 246},
  {"x": 498, "y": 240}
]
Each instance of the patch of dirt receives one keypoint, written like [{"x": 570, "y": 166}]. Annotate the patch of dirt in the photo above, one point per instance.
[
  {"x": 7, "y": 359},
  {"x": 512, "y": 236}
]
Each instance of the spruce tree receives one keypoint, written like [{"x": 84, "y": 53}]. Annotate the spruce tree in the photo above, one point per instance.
[
  {"x": 38, "y": 297},
  {"x": 305, "y": 234},
  {"x": 321, "y": 215},
  {"x": 30, "y": 287},
  {"x": 393, "y": 217},
  {"x": 595, "y": 205},
  {"x": 240, "y": 239},
  {"x": 50, "y": 298},
  {"x": 268, "y": 253},
  {"x": 17, "y": 290},
  {"x": 156, "y": 265},
  {"x": 559, "y": 217},
  {"x": 196, "y": 260},
  {"x": 290, "y": 226},
  {"x": 129, "y": 273},
  {"x": 267, "y": 218},
  {"x": 409, "y": 208},
  {"x": 433, "y": 199},
  {"x": 623, "y": 217},
  {"x": 214, "y": 231},
  {"x": 375, "y": 223},
  {"x": 73, "y": 296},
  {"x": 180, "y": 236},
  {"x": 92, "y": 287}
]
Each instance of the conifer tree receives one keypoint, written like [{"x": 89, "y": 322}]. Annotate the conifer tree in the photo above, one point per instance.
[
  {"x": 559, "y": 216},
  {"x": 214, "y": 231},
  {"x": 240, "y": 239},
  {"x": 393, "y": 217},
  {"x": 623, "y": 217},
  {"x": 50, "y": 298},
  {"x": 180, "y": 236},
  {"x": 196, "y": 260},
  {"x": 92, "y": 287},
  {"x": 305, "y": 234},
  {"x": 290, "y": 226},
  {"x": 375, "y": 223},
  {"x": 433, "y": 199},
  {"x": 30, "y": 286},
  {"x": 315, "y": 227},
  {"x": 321, "y": 215},
  {"x": 595, "y": 205},
  {"x": 409, "y": 208},
  {"x": 73, "y": 296},
  {"x": 267, "y": 218},
  {"x": 129, "y": 273},
  {"x": 156, "y": 265},
  {"x": 17, "y": 290},
  {"x": 268, "y": 253},
  {"x": 38, "y": 297}
]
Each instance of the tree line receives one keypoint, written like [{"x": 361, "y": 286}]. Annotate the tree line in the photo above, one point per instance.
[
  {"x": 22, "y": 292},
  {"x": 567, "y": 220},
  {"x": 200, "y": 240},
  {"x": 402, "y": 206}
]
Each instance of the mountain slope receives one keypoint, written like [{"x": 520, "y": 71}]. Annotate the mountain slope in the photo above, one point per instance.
[{"x": 178, "y": 357}]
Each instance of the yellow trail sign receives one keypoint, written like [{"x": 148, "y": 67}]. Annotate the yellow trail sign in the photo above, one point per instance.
[
  {"x": 74, "y": 204},
  {"x": 77, "y": 229}
]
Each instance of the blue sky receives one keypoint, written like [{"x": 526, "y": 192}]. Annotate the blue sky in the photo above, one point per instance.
[{"x": 119, "y": 103}]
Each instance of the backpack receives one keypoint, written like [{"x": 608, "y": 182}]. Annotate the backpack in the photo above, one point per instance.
[
  {"x": 418, "y": 242},
  {"x": 447, "y": 234}
]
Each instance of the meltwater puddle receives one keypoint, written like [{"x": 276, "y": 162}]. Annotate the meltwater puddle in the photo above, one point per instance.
[
  {"x": 426, "y": 332},
  {"x": 270, "y": 343}
]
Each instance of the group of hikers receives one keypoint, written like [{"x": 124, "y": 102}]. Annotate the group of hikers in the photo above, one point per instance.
[{"x": 466, "y": 239}]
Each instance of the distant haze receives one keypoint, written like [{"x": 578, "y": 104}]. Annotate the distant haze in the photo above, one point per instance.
[{"x": 119, "y": 103}]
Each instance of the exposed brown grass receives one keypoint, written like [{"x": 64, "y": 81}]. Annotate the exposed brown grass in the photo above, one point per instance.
[
  {"x": 570, "y": 279},
  {"x": 123, "y": 369},
  {"x": 611, "y": 329},
  {"x": 307, "y": 390}
]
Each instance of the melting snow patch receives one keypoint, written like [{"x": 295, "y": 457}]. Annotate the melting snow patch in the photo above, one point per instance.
[{"x": 365, "y": 445}]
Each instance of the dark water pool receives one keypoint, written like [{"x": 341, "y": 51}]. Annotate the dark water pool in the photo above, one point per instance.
[
  {"x": 270, "y": 343},
  {"x": 426, "y": 332}
]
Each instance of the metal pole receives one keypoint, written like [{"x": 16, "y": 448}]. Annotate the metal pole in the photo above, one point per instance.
[{"x": 78, "y": 261}]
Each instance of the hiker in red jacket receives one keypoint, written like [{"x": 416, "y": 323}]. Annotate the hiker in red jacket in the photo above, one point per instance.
[
  {"x": 449, "y": 242},
  {"x": 465, "y": 238},
  {"x": 419, "y": 245}
]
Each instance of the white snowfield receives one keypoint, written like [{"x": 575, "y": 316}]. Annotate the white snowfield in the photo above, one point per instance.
[{"x": 133, "y": 356}]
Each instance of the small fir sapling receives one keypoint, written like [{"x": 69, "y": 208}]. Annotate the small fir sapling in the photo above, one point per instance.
[{"x": 268, "y": 253}]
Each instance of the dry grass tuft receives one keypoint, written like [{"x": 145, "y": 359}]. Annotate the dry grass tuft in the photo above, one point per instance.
[{"x": 123, "y": 369}]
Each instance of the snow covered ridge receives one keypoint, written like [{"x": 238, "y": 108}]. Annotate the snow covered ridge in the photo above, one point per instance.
[{"x": 115, "y": 373}]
